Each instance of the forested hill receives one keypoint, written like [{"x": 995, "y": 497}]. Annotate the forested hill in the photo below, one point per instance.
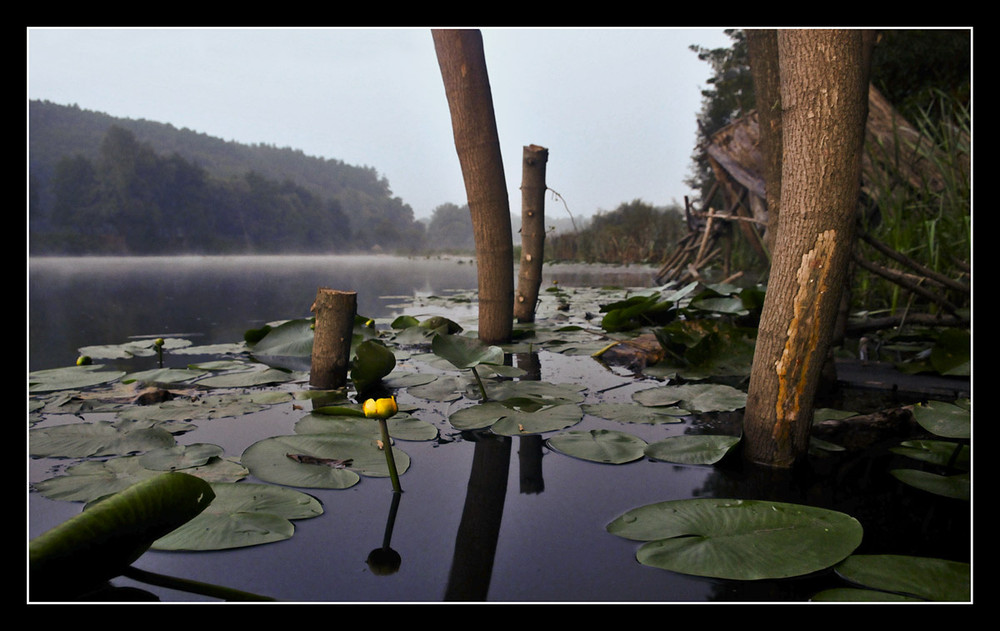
[{"x": 105, "y": 185}]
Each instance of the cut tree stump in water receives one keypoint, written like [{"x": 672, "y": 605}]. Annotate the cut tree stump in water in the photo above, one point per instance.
[{"x": 331, "y": 353}]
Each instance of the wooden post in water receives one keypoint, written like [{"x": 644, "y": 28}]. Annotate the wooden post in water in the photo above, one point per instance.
[
  {"x": 331, "y": 352},
  {"x": 529, "y": 277}
]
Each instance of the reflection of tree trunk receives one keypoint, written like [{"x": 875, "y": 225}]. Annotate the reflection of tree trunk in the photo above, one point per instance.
[
  {"x": 476, "y": 542},
  {"x": 824, "y": 90},
  {"x": 331, "y": 352},
  {"x": 529, "y": 277},
  {"x": 467, "y": 86},
  {"x": 529, "y": 448}
]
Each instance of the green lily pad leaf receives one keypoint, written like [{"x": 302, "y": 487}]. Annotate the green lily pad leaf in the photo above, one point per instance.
[
  {"x": 241, "y": 515},
  {"x": 540, "y": 391},
  {"x": 465, "y": 352},
  {"x": 180, "y": 456},
  {"x": 696, "y": 397},
  {"x": 216, "y": 406},
  {"x": 99, "y": 543},
  {"x": 373, "y": 362},
  {"x": 732, "y": 305},
  {"x": 478, "y": 416},
  {"x": 268, "y": 460},
  {"x": 247, "y": 379},
  {"x": 929, "y": 579},
  {"x": 936, "y": 452},
  {"x": 599, "y": 445},
  {"x": 738, "y": 539},
  {"x": 636, "y": 413},
  {"x": 954, "y": 486},
  {"x": 401, "y": 426},
  {"x": 944, "y": 419},
  {"x": 99, "y": 438},
  {"x": 414, "y": 336},
  {"x": 441, "y": 325},
  {"x": 442, "y": 388},
  {"x": 92, "y": 479},
  {"x": 138, "y": 348},
  {"x": 70, "y": 378},
  {"x": 692, "y": 448},
  {"x": 547, "y": 419},
  {"x": 270, "y": 398},
  {"x": 404, "y": 322},
  {"x": 163, "y": 375},
  {"x": 293, "y": 338},
  {"x": 408, "y": 380}
]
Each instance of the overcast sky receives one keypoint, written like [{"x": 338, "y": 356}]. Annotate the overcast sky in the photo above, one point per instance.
[{"x": 615, "y": 107}]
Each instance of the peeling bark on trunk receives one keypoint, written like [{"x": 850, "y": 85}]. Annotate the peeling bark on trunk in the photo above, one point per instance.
[
  {"x": 824, "y": 86},
  {"x": 529, "y": 277}
]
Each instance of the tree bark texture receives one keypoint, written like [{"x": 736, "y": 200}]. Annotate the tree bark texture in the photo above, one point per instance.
[
  {"x": 463, "y": 68},
  {"x": 331, "y": 352},
  {"x": 824, "y": 86},
  {"x": 533, "y": 188},
  {"x": 762, "y": 46}
]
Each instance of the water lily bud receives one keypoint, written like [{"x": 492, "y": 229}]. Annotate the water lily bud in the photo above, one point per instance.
[
  {"x": 158, "y": 341},
  {"x": 84, "y": 360},
  {"x": 380, "y": 408}
]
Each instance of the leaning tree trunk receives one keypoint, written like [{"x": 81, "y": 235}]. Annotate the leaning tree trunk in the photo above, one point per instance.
[
  {"x": 529, "y": 277},
  {"x": 824, "y": 83},
  {"x": 467, "y": 86}
]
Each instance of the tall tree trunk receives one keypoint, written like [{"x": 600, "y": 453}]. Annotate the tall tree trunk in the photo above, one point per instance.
[
  {"x": 529, "y": 277},
  {"x": 467, "y": 86},
  {"x": 824, "y": 88},
  {"x": 762, "y": 46}
]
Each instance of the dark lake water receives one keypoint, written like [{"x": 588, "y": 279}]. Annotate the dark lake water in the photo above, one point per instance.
[{"x": 498, "y": 520}]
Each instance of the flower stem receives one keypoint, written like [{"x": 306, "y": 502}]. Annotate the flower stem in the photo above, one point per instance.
[
  {"x": 482, "y": 388},
  {"x": 390, "y": 460}
]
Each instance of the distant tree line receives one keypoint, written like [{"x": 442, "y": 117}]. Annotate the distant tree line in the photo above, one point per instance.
[
  {"x": 102, "y": 185},
  {"x": 635, "y": 232}
]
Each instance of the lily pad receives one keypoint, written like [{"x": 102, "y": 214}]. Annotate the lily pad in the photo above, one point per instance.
[
  {"x": 696, "y": 397},
  {"x": 164, "y": 375},
  {"x": 636, "y": 413},
  {"x": 944, "y": 419},
  {"x": 937, "y": 452},
  {"x": 99, "y": 438},
  {"x": 510, "y": 420},
  {"x": 926, "y": 578},
  {"x": 70, "y": 378},
  {"x": 738, "y": 539},
  {"x": 293, "y": 338},
  {"x": 269, "y": 460},
  {"x": 93, "y": 479},
  {"x": 373, "y": 361},
  {"x": 247, "y": 379},
  {"x": 465, "y": 352},
  {"x": 241, "y": 515},
  {"x": 599, "y": 445},
  {"x": 401, "y": 426},
  {"x": 954, "y": 486},
  {"x": 692, "y": 448},
  {"x": 180, "y": 456}
]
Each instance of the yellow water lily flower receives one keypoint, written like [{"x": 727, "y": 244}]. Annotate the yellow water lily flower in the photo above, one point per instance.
[{"x": 380, "y": 408}]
